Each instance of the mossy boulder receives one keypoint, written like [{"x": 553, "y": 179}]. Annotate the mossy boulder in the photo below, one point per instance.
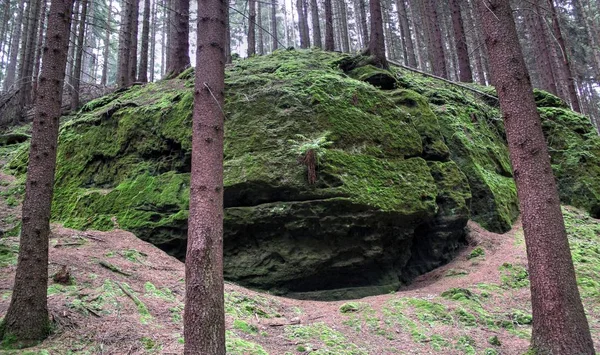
[{"x": 398, "y": 172}]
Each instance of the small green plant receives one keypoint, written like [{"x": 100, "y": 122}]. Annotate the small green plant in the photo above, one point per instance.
[
  {"x": 476, "y": 253},
  {"x": 494, "y": 341},
  {"x": 458, "y": 294},
  {"x": 245, "y": 326},
  {"x": 350, "y": 307},
  {"x": 310, "y": 152},
  {"x": 514, "y": 276}
]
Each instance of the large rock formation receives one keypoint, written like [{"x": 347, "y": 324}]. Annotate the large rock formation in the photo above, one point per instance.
[{"x": 334, "y": 188}]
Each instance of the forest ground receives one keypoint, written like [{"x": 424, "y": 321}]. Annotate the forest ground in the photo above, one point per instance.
[{"x": 126, "y": 297}]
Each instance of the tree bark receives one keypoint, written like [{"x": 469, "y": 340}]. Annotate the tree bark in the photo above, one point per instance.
[
  {"x": 364, "y": 29},
  {"x": 11, "y": 70},
  {"x": 275, "y": 43},
  {"x": 204, "y": 313},
  {"x": 133, "y": 45},
  {"x": 329, "y": 43},
  {"x": 228, "y": 57},
  {"x": 179, "y": 56},
  {"x": 261, "y": 42},
  {"x": 125, "y": 44},
  {"x": 154, "y": 24},
  {"x": 316, "y": 26},
  {"x": 26, "y": 73},
  {"x": 435, "y": 43},
  {"x": 251, "y": 28},
  {"x": 541, "y": 47},
  {"x": 377, "y": 43},
  {"x": 565, "y": 63},
  {"x": 302, "y": 24},
  {"x": 4, "y": 22},
  {"x": 104, "y": 78},
  {"x": 345, "y": 44},
  {"x": 408, "y": 48},
  {"x": 78, "y": 56},
  {"x": 143, "y": 72},
  {"x": 559, "y": 322},
  {"x": 27, "y": 318},
  {"x": 464, "y": 66}
]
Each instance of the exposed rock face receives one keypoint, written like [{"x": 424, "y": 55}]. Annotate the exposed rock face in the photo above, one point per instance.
[{"x": 397, "y": 172}]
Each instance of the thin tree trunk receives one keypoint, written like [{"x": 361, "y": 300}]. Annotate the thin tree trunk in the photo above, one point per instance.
[
  {"x": 344, "y": 26},
  {"x": 435, "y": 43},
  {"x": 377, "y": 43},
  {"x": 464, "y": 66},
  {"x": 559, "y": 321},
  {"x": 275, "y": 43},
  {"x": 104, "y": 78},
  {"x": 228, "y": 57},
  {"x": 409, "y": 51},
  {"x": 315, "y": 24},
  {"x": 11, "y": 70},
  {"x": 143, "y": 72},
  {"x": 179, "y": 57},
  {"x": 153, "y": 21},
  {"x": 204, "y": 312},
  {"x": 564, "y": 59},
  {"x": 541, "y": 48},
  {"x": 304, "y": 36},
  {"x": 251, "y": 28},
  {"x": 125, "y": 44},
  {"x": 362, "y": 5},
  {"x": 78, "y": 56},
  {"x": 329, "y": 43},
  {"x": 26, "y": 73},
  {"x": 166, "y": 37},
  {"x": 4, "y": 23},
  {"x": 261, "y": 43},
  {"x": 27, "y": 320},
  {"x": 133, "y": 45}
]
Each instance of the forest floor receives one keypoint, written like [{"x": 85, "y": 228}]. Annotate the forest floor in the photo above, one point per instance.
[{"x": 126, "y": 297}]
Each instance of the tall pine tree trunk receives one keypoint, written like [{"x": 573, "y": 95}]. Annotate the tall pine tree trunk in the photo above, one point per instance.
[
  {"x": 541, "y": 47},
  {"x": 362, "y": 6},
  {"x": 464, "y": 66},
  {"x": 275, "y": 43},
  {"x": 104, "y": 78},
  {"x": 261, "y": 43},
  {"x": 204, "y": 312},
  {"x": 179, "y": 56},
  {"x": 435, "y": 43},
  {"x": 79, "y": 56},
  {"x": 154, "y": 24},
  {"x": 143, "y": 72},
  {"x": 377, "y": 43},
  {"x": 302, "y": 24},
  {"x": 11, "y": 70},
  {"x": 329, "y": 43},
  {"x": 251, "y": 28},
  {"x": 133, "y": 44},
  {"x": 27, "y": 320},
  {"x": 345, "y": 44},
  {"x": 124, "y": 44},
  {"x": 26, "y": 73},
  {"x": 559, "y": 321},
  {"x": 408, "y": 48},
  {"x": 314, "y": 12}
]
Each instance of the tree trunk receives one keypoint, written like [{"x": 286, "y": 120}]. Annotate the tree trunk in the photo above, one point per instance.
[
  {"x": 344, "y": 26},
  {"x": 106, "y": 55},
  {"x": 261, "y": 42},
  {"x": 559, "y": 322},
  {"x": 78, "y": 56},
  {"x": 251, "y": 28},
  {"x": 275, "y": 43},
  {"x": 125, "y": 44},
  {"x": 408, "y": 48},
  {"x": 153, "y": 21},
  {"x": 26, "y": 74},
  {"x": 541, "y": 47},
  {"x": 314, "y": 12},
  {"x": 364, "y": 29},
  {"x": 302, "y": 24},
  {"x": 377, "y": 43},
  {"x": 11, "y": 70},
  {"x": 564, "y": 59},
  {"x": 166, "y": 36},
  {"x": 329, "y": 43},
  {"x": 4, "y": 23},
  {"x": 204, "y": 313},
  {"x": 464, "y": 66},
  {"x": 435, "y": 43},
  {"x": 143, "y": 72},
  {"x": 179, "y": 56},
  {"x": 133, "y": 46},
  {"x": 228, "y": 57},
  {"x": 27, "y": 320}
]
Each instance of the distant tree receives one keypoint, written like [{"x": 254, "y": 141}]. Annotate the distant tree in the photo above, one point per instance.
[
  {"x": 251, "y": 28},
  {"x": 303, "y": 24},
  {"x": 27, "y": 318},
  {"x": 143, "y": 71},
  {"x": 28, "y": 50},
  {"x": 316, "y": 26},
  {"x": 204, "y": 313},
  {"x": 76, "y": 78},
  {"x": 536, "y": 25},
  {"x": 178, "y": 50},
  {"x": 154, "y": 23},
  {"x": 362, "y": 19},
  {"x": 133, "y": 42},
  {"x": 460, "y": 40},
  {"x": 106, "y": 55},
  {"x": 329, "y": 42},
  {"x": 408, "y": 48},
  {"x": 559, "y": 321},
  {"x": 435, "y": 42},
  {"x": 259, "y": 22},
  {"x": 274, "y": 24},
  {"x": 123, "y": 70},
  {"x": 343, "y": 26},
  {"x": 376, "y": 47}
]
